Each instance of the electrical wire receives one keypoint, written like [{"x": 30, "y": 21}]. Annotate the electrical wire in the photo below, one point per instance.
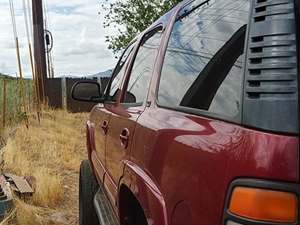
[
  {"x": 26, "y": 20},
  {"x": 14, "y": 26},
  {"x": 29, "y": 8},
  {"x": 13, "y": 20},
  {"x": 26, "y": 8}
]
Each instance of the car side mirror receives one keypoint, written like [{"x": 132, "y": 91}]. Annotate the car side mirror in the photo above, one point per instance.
[{"x": 87, "y": 91}]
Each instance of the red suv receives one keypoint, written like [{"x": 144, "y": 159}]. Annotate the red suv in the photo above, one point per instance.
[{"x": 200, "y": 121}]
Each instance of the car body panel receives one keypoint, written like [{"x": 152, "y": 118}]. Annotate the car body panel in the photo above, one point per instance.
[
  {"x": 121, "y": 119},
  {"x": 146, "y": 191},
  {"x": 192, "y": 159},
  {"x": 98, "y": 116}
]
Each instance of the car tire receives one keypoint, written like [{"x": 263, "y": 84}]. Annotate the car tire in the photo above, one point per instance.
[{"x": 88, "y": 187}]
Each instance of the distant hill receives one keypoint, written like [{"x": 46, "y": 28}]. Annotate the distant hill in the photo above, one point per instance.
[
  {"x": 104, "y": 74},
  {"x": 9, "y": 77},
  {"x": 3, "y": 76}
]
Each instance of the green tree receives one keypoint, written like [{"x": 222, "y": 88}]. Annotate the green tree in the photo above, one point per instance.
[{"x": 130, "y": 17}]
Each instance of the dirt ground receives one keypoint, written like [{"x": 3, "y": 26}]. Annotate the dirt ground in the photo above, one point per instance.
[{"x": 51, "y": 151}]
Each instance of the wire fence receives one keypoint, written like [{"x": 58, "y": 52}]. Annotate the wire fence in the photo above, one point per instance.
[{"x": 16, "y": 100}]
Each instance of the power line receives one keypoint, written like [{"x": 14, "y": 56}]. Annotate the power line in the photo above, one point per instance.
[
  {"x": 26, "y": 20},
  {"x": 13, "y": 20},
  {"x": 14, "y": 26},
  {"x": 29, "y": 7}
]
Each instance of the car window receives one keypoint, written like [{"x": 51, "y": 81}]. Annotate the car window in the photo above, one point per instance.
[
  {"x": 119, "y": 73},
  {"x": 142, "y": 69},
  {"x": 203, "y": 66}
]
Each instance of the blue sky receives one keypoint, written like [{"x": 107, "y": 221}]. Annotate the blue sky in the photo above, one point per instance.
[{"x": 79, "y": 38}]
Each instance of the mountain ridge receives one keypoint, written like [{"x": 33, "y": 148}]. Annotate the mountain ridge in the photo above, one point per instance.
[{"x": 104, "y": 74}]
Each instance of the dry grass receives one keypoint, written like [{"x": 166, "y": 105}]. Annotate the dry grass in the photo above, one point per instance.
[
  {"x": 51, "y": 152},
  {"x": 49, "y": 191}
]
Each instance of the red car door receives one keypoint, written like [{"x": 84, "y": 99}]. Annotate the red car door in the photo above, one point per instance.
[
  {"x": 126, "y": 112},
  {"x": 100, "y": 115},
  {"x": 99, "y": 119}
]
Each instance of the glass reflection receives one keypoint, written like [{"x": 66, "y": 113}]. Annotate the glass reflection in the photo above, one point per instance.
[{"x": 195, "y": 47}]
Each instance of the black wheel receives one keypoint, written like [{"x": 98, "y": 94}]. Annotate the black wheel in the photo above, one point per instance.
[{"x": 88, "y": 187}]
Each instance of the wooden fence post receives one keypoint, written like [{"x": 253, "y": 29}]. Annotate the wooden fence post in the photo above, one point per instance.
[
  {"x": 64, "y": 93},
  {"x": 4, "y": 104}
]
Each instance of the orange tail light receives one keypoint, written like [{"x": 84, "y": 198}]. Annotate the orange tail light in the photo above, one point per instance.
[{"x": 264, "y": 205}]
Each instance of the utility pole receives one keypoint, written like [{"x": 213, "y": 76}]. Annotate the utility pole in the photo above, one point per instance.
[{"x": 39, "y": 47}]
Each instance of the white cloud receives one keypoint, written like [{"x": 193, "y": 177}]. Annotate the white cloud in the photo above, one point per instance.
[{"x": 79, "y": 38}]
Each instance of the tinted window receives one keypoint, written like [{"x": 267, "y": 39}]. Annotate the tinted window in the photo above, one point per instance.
[
  {"x": 119, "y": 73},
  {"x": 203, "y": 63},
  {"x": 142, "y": 69}
]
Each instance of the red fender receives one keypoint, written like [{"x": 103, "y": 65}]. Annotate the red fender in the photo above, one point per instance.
[{"x": 146, "y": 192}]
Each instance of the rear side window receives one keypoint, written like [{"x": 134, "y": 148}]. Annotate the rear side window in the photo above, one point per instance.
[{"x": 203, "y": 67}]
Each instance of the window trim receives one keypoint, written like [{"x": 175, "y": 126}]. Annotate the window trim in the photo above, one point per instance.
[
  {"x": 108, "y": 88},
  {"x": 161, "y": 27},
  {"x": 199, "y": 112},
  {"x": 203, "y": 113},
  {"x": 179, "y": 17},
  {"x": 297, "y": 22}
]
